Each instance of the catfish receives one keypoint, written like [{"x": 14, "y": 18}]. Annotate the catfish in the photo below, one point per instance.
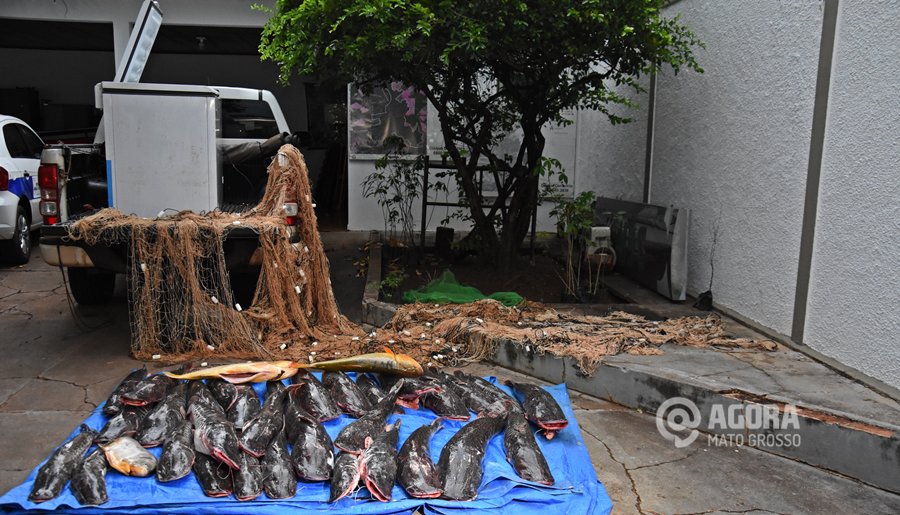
[
  {"x": 280, "y": 481},
  {"x": 378, "y": 463},
  {"x": 224, "y": 392},
  {"x": 126, "y": 423},
  {"x": 486, "y": 390},
  {"x": 313, "y": 397},
  {"x": 245, "y": 407},
  {"x": 523, "y": 452},
  {"x": 214, "y": 478},
  {"x": 540, "y": 408},
  {"x": 114, "y": 403},
  {"x": 418, "y": 474},
  {"x": 460, "y": 462},
  {"x": 370, "y": 388},
  {"x": 345, "y": 476},
  {"x": 89, "y": 481},
  {"x": 60, "y": 466},
  {"x": 213, "y": 434},
  {"x": 149, "y": 390},
  {"x": 178, "y": 453},
  {"x": 348, "y": 397},
  {"x": 258, "y": 433},
  {"x": 163, "y": 418},
  {"x": 413, "y": 389},
  {"x": 352, "y": 438},
  {"x": 312, "y": 451},
  {"x": 248, "y": 479}
]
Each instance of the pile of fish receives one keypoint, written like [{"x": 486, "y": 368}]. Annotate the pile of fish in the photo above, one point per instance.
[{"x": 237, "y": 445}]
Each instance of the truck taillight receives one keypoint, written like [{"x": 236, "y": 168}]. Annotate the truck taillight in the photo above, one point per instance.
[
  {"x": 48, "y": 180},
  {"x": 290, "y": 212},
  {"x": 4, "y": 179}
]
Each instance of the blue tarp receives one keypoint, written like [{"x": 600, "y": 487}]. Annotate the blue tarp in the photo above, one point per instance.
[{"x": 576, "y": 491}]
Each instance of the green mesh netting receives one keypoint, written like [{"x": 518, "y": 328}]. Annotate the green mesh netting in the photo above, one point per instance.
[{"x": 447, "y": 290}]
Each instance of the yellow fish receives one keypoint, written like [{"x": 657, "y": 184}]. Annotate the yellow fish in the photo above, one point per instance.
[{"x": 382, "y": 362}]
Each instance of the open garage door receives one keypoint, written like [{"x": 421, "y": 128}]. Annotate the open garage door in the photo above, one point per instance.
[{"x": 50, "y": 71}]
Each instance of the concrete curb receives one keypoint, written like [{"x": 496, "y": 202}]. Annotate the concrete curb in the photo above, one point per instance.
[{"x": 829, "y": 440}]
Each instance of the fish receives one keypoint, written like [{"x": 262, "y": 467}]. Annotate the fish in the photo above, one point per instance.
[
  {"x": 126, "y": 423},
  {"x": 413, "y": 388},
  {"x": 540, "y": 408},
  {"x": 274, "y": 386},
  {"x": 348, "y": 397},
  {"x": 475, "y": 399},
  {"x": 258, "y": 433},
  {"x": 313, "y": 397},
  {"x": 59, "y": 467},
  {"x": 224, "y": 392},
  {"x": 149, "y": 390},
  {"x": 446, "y": 405},
  {"x": 213, "y": 434},
  {"x": 523, "y": 452},
  {"x": 352, "y": 438},
  {"x": 178, "y": 453},
  {"x": 345, "y": 476},
  {"x": 89, "y": 481},
  {"x": 312, "y": 451},
  {"x": 378, "y": 463},
  {"x": 369, "y": 388},
  {"x": 165, "y": 416},
  {"x": 114, "y": 404},
  {"x": 214, "y": 479},
  {"x": 487, "y": 391},
  {"x": 280, "y": 481},
  {"x": 245, "y": 407},
  {"x": 418, "y": 474},
  {"x": 460, "y": 462},
  {"x": 129, "y": 457},
  {"x": 386, "y": 362},
  {"x": 248, "y": 479},
  {"x": 239, "y": 373}
]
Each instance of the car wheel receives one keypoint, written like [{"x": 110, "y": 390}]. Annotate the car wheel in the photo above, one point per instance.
[
  {"x": 17, "y": 250},
  {"x": 91, "y": 287}
]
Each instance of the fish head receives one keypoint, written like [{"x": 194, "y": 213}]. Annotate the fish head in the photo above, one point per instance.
[{"x": 224, "y": 458}]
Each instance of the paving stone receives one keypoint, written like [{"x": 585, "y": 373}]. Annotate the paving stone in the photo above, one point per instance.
[
  {"x": 8, "y": 387},
  {"x": 28, "y": 438},
  {"x": 45, "y": 395}
]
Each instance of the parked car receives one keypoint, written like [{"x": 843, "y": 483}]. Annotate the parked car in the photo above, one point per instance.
[{"x": 20, "y": 156}]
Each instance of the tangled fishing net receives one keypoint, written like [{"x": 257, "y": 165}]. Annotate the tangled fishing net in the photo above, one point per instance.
[
  {"x": 471, "y": 331},
  {"x": 182, "y": 306},
  {"x": 179, "y": 287}
]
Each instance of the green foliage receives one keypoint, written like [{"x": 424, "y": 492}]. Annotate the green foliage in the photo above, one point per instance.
[
  {"x": 396, "y": 184},
  {"x": 487, "y": 67},
  {"x": 574, "y": 218},
  {"x": 393, "y": 279}
]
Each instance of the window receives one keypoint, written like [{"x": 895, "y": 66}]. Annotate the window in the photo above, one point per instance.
[
  {"x": 33, "y": 143},
  {"x": 14, "y": 142},
  {"x": 247, "y": 119}
]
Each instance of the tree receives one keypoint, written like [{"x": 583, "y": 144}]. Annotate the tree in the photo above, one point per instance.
[{"x": 487, "y": 67}]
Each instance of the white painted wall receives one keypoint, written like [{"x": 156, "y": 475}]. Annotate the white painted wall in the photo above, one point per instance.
[
  {"x": 611, "y": 157},
  {"x": 732, "y": 145},
  {"x": 853, "y": 312}
]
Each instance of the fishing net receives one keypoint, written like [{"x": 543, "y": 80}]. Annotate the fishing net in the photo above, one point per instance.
[
  {"x": 471, "y": 332},
  {"x": 180, "y": 295},
  {"x": 445, "y": 289}
]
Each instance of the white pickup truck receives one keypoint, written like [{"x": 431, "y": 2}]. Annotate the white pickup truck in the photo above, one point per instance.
[{"x": 167, "y": 147}]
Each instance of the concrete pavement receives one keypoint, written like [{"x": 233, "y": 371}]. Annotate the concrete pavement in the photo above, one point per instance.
[{"x": 56, "y": 369}]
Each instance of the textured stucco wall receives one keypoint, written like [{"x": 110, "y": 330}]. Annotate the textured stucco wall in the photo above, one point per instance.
[
  {"x": 610, "y": 158},
  {"x": 732, "y": 144},
  {"x": 854, "y": 301}
]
